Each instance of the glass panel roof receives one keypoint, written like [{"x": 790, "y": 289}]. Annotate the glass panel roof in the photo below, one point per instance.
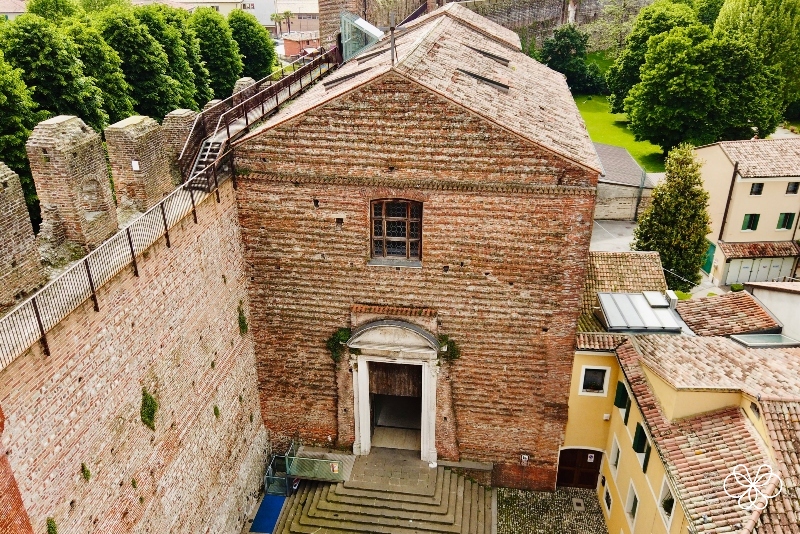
[
  {"x": 634, "y": 312},
  {"x": 766, "y": 340}
]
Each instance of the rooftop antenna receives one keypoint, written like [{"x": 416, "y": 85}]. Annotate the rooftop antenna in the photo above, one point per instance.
[{"x": 391, "y": 30}]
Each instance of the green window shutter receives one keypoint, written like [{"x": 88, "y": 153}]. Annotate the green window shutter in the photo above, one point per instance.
[
  {"x": 755, "y": 221},
  {"x": 746, "y": 222},
  {"x": 790, "y": 223},
  {"x": 622, "y": 396},
  {"x": 646, "y": 458},
  {"x": 639, "y": 439},
  {"x": 627, "y": 411},
  {"x": 781, "y": 220}
]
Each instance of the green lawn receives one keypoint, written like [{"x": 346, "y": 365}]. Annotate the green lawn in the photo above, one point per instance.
[
  {"x": 602, "y": 60},
  {"x": 612, "y": 129}
]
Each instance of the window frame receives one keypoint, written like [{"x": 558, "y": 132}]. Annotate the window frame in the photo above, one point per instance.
[
  {"x": 796, "y": 188},
  {"x": 632, "y": 503},
  {"x": 606, "y": 379},
  {"x": 616, "y": 451},
  {"x": 384, "y": 257},
  {"x": 783, "y": 218},
  {"x": 748, "y": 222},
  {"x": 666, "y": 491},
  {"x": 756, "y": 189},
  {"x": 607, "y": 500}
]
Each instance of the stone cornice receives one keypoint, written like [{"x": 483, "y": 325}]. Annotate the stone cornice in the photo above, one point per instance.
[{"x": 424, "y": 184}]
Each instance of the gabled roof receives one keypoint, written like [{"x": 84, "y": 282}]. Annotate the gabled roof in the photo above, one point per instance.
[
  {"x": 759, "y": 249},
  {"x": 618, "y": 272},
  {"x": 619, "y": 167},
  {"x": 476, "y": 64},
  {"x": 724, "y": 315},
  {"x": 598, "y": 341},
  {"x": 765, "y": 158},
  {"x": 783, "y": 287},
  {"x": 782, "y": 419}
]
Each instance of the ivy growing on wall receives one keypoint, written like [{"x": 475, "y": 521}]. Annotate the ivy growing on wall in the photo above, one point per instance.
[
  {"x": 149, "y": 409},
  {"x": 335, "y": 343},
  {"x": 243, "y": 327},
  {"x": 452, "y": 351}
]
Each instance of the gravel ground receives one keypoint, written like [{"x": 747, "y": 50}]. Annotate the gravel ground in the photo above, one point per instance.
[{"x": 535, "y": 512}]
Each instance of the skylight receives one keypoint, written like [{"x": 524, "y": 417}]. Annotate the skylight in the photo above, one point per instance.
[
  {"x": 337, "y": 81},
  {"x": 488, "y": 81},
  {"x": 503, "y": 61},
  {"x": 765, "y": 341}
]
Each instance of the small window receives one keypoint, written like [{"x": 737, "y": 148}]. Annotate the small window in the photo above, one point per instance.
[
  {"x": 607, "y": 500},
  {"x": 594, "y": 380},
  {"x": 666, "y": 503},
  {"x": 750, "y": 221},
  {"x": 785, "y": 221},
  {"x": 397, "y": 229},
  {"x": 792, "y": 188},
  {"x": 615, "y": 454},
  {"x": 633, "y": 503},
  {"x": 756, "y": 189},
  {"x": 755, "y": 410}
]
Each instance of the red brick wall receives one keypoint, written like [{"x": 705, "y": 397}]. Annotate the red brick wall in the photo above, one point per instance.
[
  {"x": 174, "y": 330},
  {"x": 13, "y": 518},
  {"x": 514, "y": 241}
]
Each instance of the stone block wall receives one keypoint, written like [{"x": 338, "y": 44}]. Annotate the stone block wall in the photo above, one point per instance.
[
  {"x": 618, "y": 202},
  {"x": 240, "y": 87},
  {"x": 20, "y": 265},
  {"x": 71, "y": 176},
  {"x": 177, "y": 126},
  {"x": 139, "y": 159},
  {"x": 175, "y": 331},
  {"x": 503, "y": 264}
]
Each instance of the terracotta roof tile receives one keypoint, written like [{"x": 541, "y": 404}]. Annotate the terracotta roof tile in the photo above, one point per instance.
[
  {"x": 784, "y": 287},
  {"x": 782, "y": 419},
  {"x": 762, "y": 158},
  {"x": 598, "y": 341},
  {"x": 407, "y": 311},
  {"x": 763, "y": 249},
  {"x": 628, "y": 272},
  {"x": 723, "y": 315}
]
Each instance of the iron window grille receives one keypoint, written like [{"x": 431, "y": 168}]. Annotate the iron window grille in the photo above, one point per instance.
[{"x": 396, "y": 229}]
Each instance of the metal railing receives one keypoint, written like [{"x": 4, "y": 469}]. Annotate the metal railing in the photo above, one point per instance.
[
  {"x": 315, "y": 468},
  {"x": 263, "y": 97},
  {"x": 30, "y": 321}
]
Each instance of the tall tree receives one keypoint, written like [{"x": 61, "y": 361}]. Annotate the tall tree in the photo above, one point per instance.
[
  {"x": 53, "y": 10},
  {"x": 700, "y": 89},
  {"x": 773, "y": 27},
  {"x": 179, "y": 19},
  {"x": 708, "y": 10},
  {"x": 277, "y": 18},
  {"x": 613, "y": 26},
  {"x": 50, "y": 66},
  {"x": 19, "y": 117},
  {"x": 676, "y": 223},
  {"x": 170, "y": 39},
  {"x": 287, "y": 16},
  {"x": 104, "y": 65},
  {"x": 218, "y": 49},
  {"x": 659, "y": 17},
  {"x": 143, "y": 61},
  {"x": 255, "y": 41},
  {"x": 95, "y": 6},
  {"x": 565, "y": 52}
]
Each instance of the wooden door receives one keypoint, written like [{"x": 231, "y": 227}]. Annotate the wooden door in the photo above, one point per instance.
[{"x": 579, "y": 468}]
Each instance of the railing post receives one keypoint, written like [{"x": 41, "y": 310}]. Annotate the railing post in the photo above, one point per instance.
[
  {"x": 233, "y": 170},
  {"x": 166, "y": 228},
  {"x": 91, "y": 284},
  {"x": 133, "y": 252},
  {"x": 228, "y": 128},
  {"x": 42, "y": 336},
  {"x": 194, "y": 209},
  {"x": 216, "y": 182}
]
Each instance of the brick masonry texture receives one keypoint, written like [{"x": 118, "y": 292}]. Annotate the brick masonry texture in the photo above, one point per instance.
[
  {"x": 515, "y": 243},
  {"x": 177, "y": 125},
  {"x": 142, "y": 140},
  {"x": 618, "y": 202},
  {"x": 69, "y": 169},
  {"x": 173, "y": 330},
  {"x": 20, "y": 265}
]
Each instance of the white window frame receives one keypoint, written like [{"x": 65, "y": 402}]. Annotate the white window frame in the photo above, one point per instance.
[
  {"x": 615, "y": 448},
  {"x": 603, "y": 393},
  {"x": 629, "y": 504},
  {"x": 665, "y": 490},
  {"x": 606, "y": 506}
]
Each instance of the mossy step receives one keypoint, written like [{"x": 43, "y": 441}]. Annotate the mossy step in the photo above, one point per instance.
[
  {"x": 399, "y": 489},
  {"x": 442, "y": 514},
  {"x": 450, "y": 481},
  {"x": 348, "y": 488}
]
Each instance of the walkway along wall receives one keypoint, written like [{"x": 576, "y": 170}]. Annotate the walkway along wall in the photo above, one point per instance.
[{"x": 175, "y": 331}]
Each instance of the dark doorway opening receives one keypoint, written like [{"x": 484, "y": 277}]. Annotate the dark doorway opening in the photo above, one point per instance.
[
  {"x": 579, "y": 468},
  {"x": 395, "y": 405}
]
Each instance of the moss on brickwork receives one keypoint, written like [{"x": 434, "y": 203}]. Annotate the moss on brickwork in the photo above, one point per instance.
[
  {"x": 149, "y": 409},
  {"x": 85, "y": 473},
  {"x": 216, "y": 411},
  {"x": 452, "y": 351},
  {"x": 335, "y": 343},
  {"x": 52, "y": 528},
  {"x": 243, "y": 327}
]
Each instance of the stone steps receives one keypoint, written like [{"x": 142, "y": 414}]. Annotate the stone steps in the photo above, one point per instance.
[{"x": 456, "y": 505}]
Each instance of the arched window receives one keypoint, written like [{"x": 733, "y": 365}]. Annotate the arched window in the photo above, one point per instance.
[{"x": 397, "y": 229}]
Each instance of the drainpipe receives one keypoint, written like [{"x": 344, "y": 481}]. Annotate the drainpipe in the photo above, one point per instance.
[
  {"x": 728, "y": 202},
  {"x": 639, "y": 197}
]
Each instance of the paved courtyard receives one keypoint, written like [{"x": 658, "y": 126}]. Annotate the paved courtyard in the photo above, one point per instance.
[
  {"x": 536, "y": 512},
  {"x": 612, "y": 236}
]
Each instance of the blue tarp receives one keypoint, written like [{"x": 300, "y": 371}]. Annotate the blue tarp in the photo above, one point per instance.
[{"x": 267, "y": 514}]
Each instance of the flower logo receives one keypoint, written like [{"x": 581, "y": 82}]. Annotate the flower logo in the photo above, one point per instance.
[{"x": 752, "y": 490}]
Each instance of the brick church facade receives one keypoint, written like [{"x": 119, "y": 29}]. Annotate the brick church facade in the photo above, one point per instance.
[{"x": 447, "y": 192}]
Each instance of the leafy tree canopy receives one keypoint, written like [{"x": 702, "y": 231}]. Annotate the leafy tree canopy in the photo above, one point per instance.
[
  {"x": 700, "y": 89},
  {"x": 255, "y": 41},
  {"x": 707, "y": 11},
  {"x": 103, "y": 64},
  {"x": 659, "y": 17},
  {"x": 143, "y": 61},
  {"x": 676, "y": 223},
  {"x": 170, "y": 39},
  {"x": 218, "y": 49},
  {"x": 565, "y": 52},
  {"x": 612, "y": 27},
  {"x": 179, "y": 19},
  {"x": 53, "y": 10},
  {"x": 773, "y": 27},
  {"x": 19, "y": 117},
  {"x": 95, "y": 6},
  {"x": 50, "y": 66}
]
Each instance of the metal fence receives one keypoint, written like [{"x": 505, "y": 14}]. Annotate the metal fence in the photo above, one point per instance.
[{"x": 30, "y": 321}]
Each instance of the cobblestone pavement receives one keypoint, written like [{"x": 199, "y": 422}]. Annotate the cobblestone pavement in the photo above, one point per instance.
[{"x": 535, "y": 512}]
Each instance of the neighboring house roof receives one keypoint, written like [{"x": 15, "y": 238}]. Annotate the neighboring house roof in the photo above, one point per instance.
[
  {"x": 763, "y": 249},
  {"x": 700, "y": 451},
  {"x": 435, "y": 54},
  {"x": 300, "y": 36},
  {"x": 12, "y": 6},
  {"x": 618, "y": 272},
  {"x": 297, "y": 6},
  {"x": 764, "y": 158},
  {"x": 598, "y": 341},
  {"x": 782, "y": 419},
  {"x": 724, "y": 315},
  {"x": 783, "y": 287},
  {"x": 619, "y": 167}
]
